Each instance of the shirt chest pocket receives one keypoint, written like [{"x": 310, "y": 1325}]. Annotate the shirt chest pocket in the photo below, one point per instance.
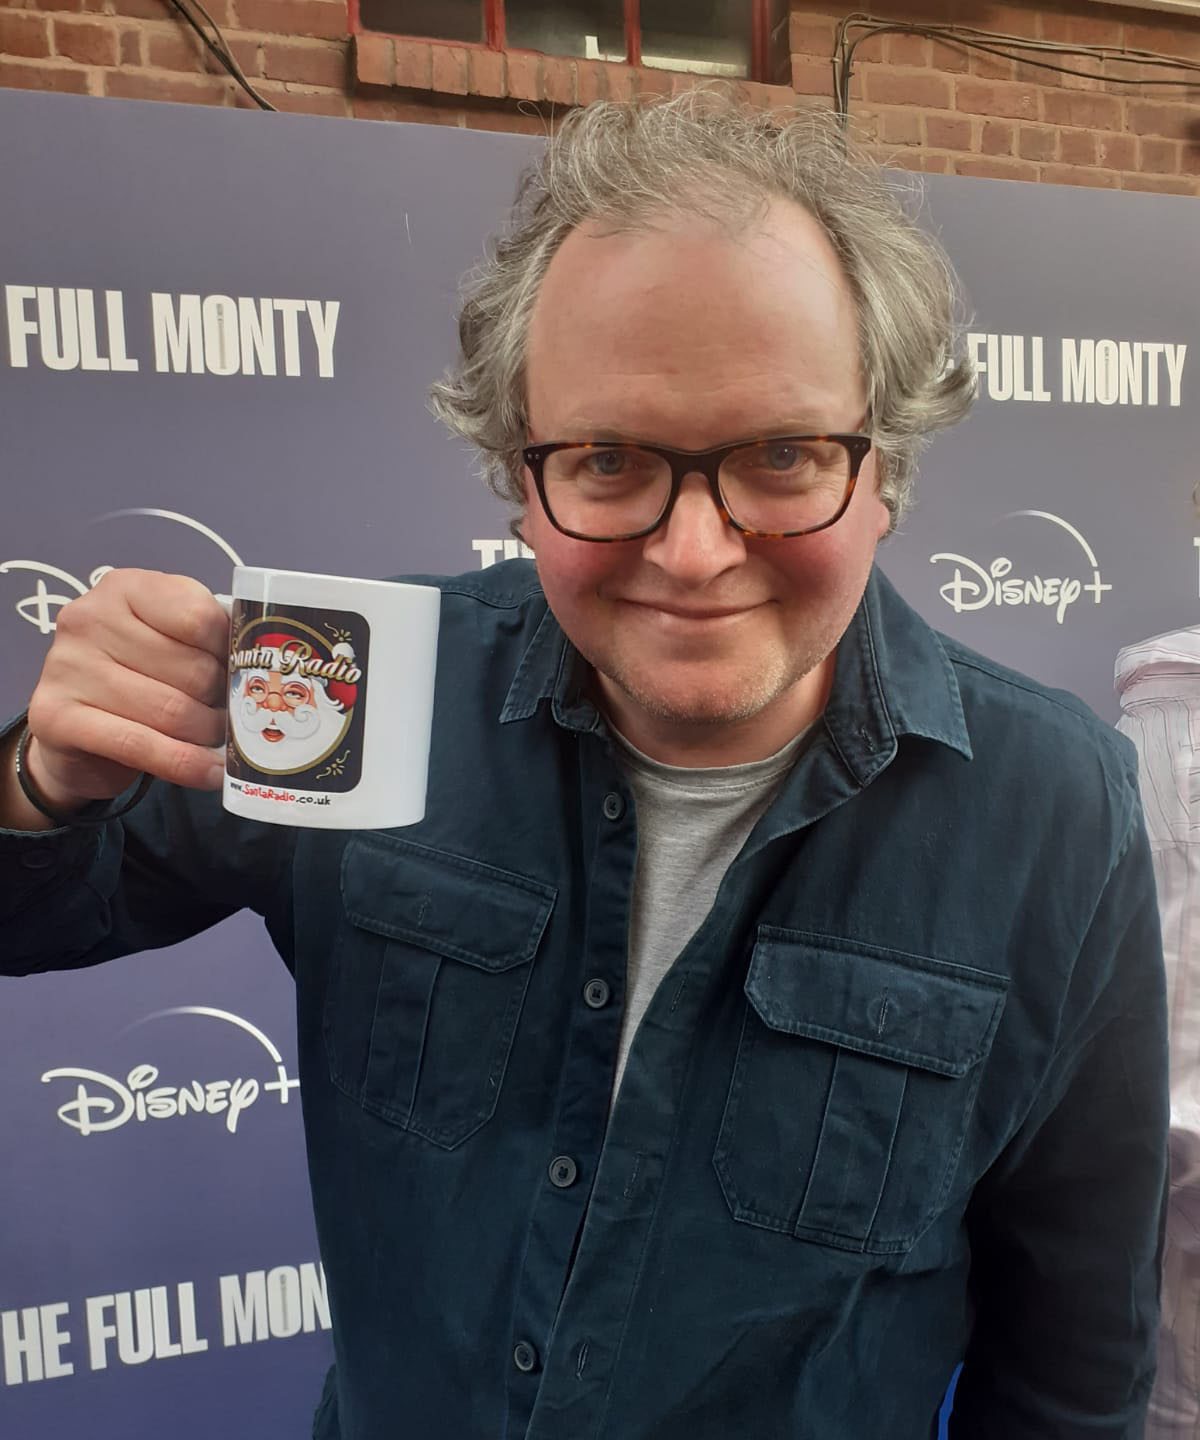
[
  {"x": 427, "y": 983},
  {"x": 854, "y": 1081}
]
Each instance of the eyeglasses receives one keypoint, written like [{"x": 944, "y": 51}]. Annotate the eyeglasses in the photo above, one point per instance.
[{"x": 776, "y": 488}]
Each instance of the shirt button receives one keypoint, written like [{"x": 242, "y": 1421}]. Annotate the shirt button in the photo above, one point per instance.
[
  {"x": 614, "y": 806},
  {"x": 525, "y": 1357},
  {"x": 37, "y": 859},
  {"x": 596, "y": 994},
  {"x": 563, "y": 1171}
]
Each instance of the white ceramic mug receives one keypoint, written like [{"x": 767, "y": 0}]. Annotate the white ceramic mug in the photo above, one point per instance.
[{"x": 330, "y": 701}]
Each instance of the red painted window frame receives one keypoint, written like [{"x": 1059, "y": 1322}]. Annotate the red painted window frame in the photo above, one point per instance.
[{"x": 495, "y": 29}]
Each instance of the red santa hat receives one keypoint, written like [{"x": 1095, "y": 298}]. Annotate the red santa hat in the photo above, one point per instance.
[{"x": 341, "y": 692}]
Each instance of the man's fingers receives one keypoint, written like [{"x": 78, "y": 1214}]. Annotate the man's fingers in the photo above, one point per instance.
[
  {"x": 137, "y": 747},
  {"x": 147, "y": 701},
  {"x": 186, "y": 668},
  {"x": 181, "y": 608}
]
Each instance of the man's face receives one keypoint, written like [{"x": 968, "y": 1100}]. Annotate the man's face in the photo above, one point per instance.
[{"x": 709, "y": 647}]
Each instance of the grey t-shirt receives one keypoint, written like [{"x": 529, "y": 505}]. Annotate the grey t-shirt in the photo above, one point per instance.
[{"x": 691, "y": 825}]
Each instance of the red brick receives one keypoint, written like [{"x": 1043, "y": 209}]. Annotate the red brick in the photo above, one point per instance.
[
  {"x": 992, "y": 67},
  {"x": 247, "y": 53},
  {"x": 954, "y": 59},
  {"x": 988, "y": 97},
  {"x": 485, "y": 72},
  {"x": 1161, "y": 184},
  {"x": 405, "y": 112},
  {"x": 1176, "y": 122},
  {"x": 997, "y": 138},
  {"x": 524, "y": 75},
  {"x": 1175, "y": 38},
  {"x": 648, "y": 82},
  {"x": 153, "y": 10},
  {"x": 780, "y": 97},
  {"x": 175, "y": 50},
  {"x": 315, "y": 64},
  {"x": 1159, "y": 157},
  {"x": 1189, "y": 160},
  {"x": 1012, "y": 20},
  {"x": 509, "y": 122},
  {"x": 593, "y": 78},
  {"x": 324, "y": 19},
  {"x": 1087, "y": 73},
  {"x": 924, "y": 88},
  {"x": 811, "y": 77},
  {"x": 906, "y": 50},
  {"x": 131, "y": 47},
  {"x": 811, "y": 34},
  {"x": 900, "y": 127},
  {"x": 24, "y": 35},
  {"x": 1037, "y": 142},
  {"x": 900, "y": 159},
  {"x": 187, "y": 90},
  {"x": 559, "y": 82},
  {"x": 949, "y": 132},
  {"x": 1079, "y": 175},
  {"x": 994, "y": 168},
  {"x": 935, "y": 164},
  {"x": 90, "y": 42},
  {"x": 621, "y": 81},
  {"x": 1077, "y": 147},
  {"x": 304, "y": 102},
  {"x": 414, "y": 64},
  {"x": 374, "y": 60},
  {"x": 1092, "y": 112},
  {"x": 1081, "y": 29},
  {"x": 43, "y": 77},
  {"x": 868, "y": 48},
  {"x": 70, "y": 5},
  {"x": 450, "y": 70},
  {"x": 1116, "y": 152}
]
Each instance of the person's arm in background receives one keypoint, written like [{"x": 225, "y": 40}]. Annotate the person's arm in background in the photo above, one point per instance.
[
  {"x": 1066, "y": 1227},
  {"x": 133, "y": 681}
]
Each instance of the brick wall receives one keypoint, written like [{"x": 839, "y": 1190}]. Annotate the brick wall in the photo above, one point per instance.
[{"x": 924, "y": 104}]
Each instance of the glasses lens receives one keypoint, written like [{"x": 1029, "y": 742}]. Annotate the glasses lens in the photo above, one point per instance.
[
  {"x": 788, "y": 484},
  {"x": 605, "y": 491}
]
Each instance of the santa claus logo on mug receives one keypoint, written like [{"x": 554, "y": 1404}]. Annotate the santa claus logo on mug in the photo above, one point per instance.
[{"x": 297, "y": 695}]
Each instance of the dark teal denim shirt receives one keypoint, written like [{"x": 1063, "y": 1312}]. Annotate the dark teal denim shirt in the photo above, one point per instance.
[{"x": 901, "y": 1100}]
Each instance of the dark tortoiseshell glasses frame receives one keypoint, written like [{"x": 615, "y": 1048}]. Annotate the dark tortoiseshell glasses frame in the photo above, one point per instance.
[{"x": 699, "y": 462}]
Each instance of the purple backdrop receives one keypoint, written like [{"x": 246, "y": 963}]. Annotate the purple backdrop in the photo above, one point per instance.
[{"x": 158, "y": 1270}]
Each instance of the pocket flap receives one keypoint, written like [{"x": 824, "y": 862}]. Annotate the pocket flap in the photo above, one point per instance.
[
  {"x": 901, "y": 1007},
  {"x": 461, "y": 908}
]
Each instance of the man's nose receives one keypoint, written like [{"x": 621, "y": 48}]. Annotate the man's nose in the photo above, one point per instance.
[
  {"x": 274, "y": 700},
  {"x": 697, "y": 542}
]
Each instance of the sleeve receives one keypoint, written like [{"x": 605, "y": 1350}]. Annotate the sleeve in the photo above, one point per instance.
[
  {"x": 1066, "y": 1228},
  {"x": 173, "y": 866}
]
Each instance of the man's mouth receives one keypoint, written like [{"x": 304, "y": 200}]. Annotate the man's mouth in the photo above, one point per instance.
[{"x": 270, "y": 733}]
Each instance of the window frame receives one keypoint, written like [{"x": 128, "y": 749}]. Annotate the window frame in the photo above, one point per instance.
[{"x": 495, "y": 31}]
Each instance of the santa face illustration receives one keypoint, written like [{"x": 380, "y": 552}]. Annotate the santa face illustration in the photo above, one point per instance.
[{"x": 284, "y": 721}]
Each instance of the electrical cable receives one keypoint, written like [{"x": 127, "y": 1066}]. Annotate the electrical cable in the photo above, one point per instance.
[
  {"x": 968, "y": 38},
  {"x": 219, "y": 48}
]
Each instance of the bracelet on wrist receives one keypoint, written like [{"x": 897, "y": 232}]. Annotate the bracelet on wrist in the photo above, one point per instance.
[{"x": 98, "y": 812}]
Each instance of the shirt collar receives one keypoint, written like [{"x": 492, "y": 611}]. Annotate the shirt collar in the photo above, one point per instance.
[{"x": 892, "y": 678}]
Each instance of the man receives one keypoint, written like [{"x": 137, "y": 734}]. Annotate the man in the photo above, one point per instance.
[{"x": 744, "y": 1037}]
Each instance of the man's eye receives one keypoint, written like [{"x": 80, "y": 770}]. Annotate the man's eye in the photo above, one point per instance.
[
  {"x": 607, "y": 463},
  {"x": 782, "y": 457},
  {"x": 295, "y": 694},
  {"x": 256, "y": 689}
]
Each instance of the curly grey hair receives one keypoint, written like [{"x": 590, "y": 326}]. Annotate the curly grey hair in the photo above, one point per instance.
[{"x": 628, "y": 164}]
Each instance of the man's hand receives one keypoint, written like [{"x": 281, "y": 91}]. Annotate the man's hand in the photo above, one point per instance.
[{"x": 134, "y": 680}]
